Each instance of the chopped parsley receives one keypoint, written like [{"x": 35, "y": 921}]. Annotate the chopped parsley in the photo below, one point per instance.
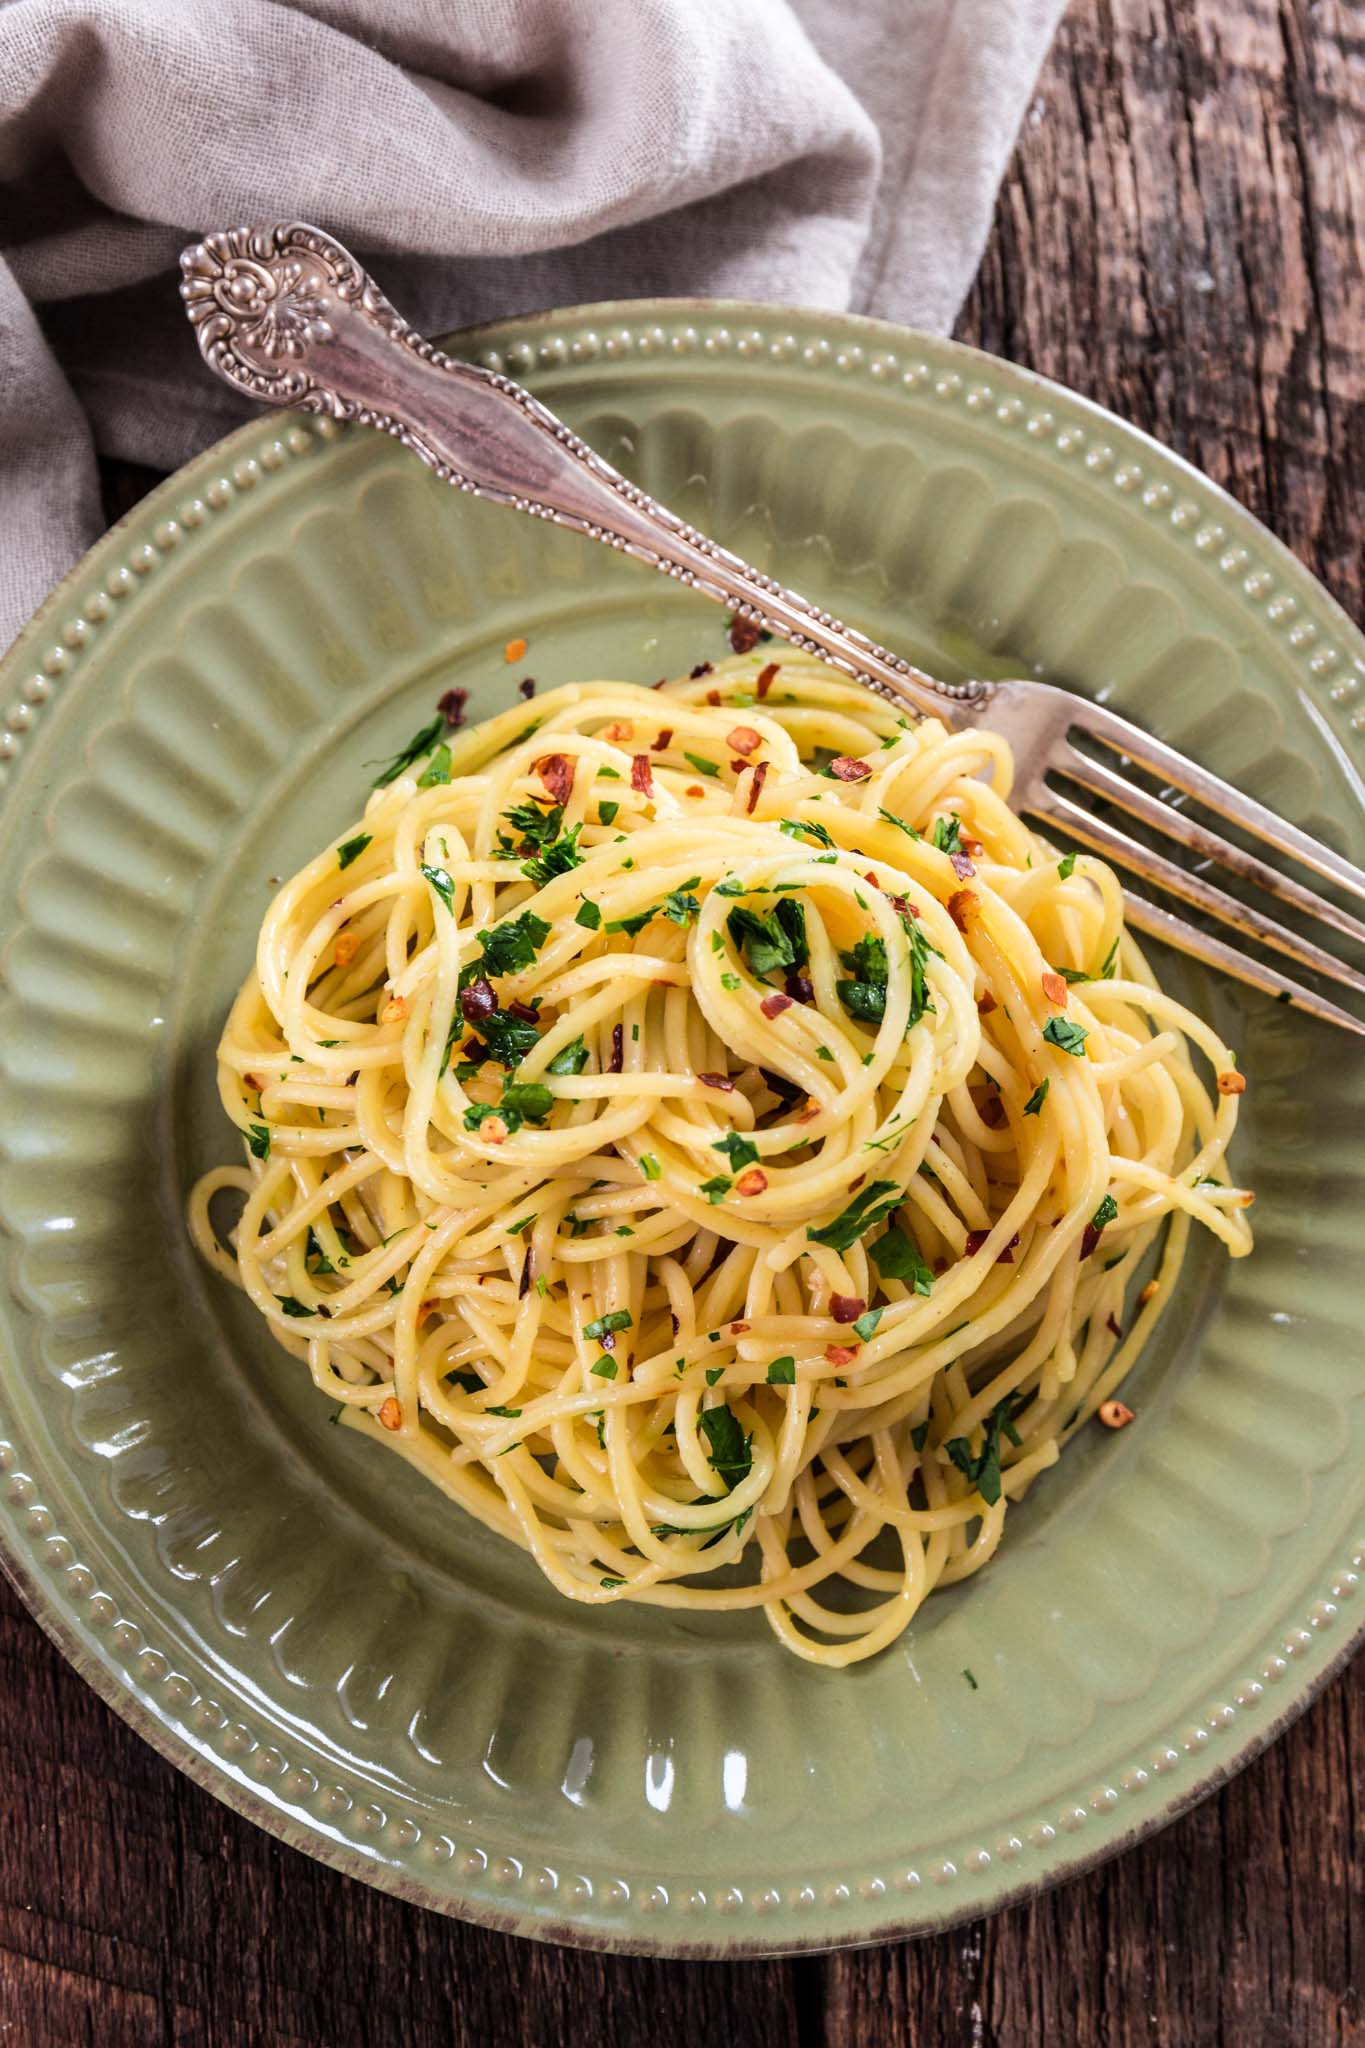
[
  {"x": 897, "y": 1257},
  {"x": 512, "y": 945},
  {"x": 292, "y": 1307},
  {"x": 767, "y": 943},
  {"x": 588, "y": 915},
  {"x": 782, "y": 1372},
  {"x": 606, "y": 1326},
  {"x": 1108, "y": 969},
  {"x": 570, "y": 1059},
  {"x": 1039, "y": 1096},
  {"x": 982, "y": 1468},
  {"x": 606, "y": 811},
  {"x": 738, "y": 1149},
  {"x": 714, "y": 1373},
  {"x": 853, "y": 1222},
  {"x": 560, "y": 857},
  {"x": 1068, "y": 1037},
  {"x": 437, "y": 769},
  {"x": 701, "y": 764},
  {"x": 649, "y": 1166},
  {"x": 900, "y": 824},
  {"x": 794, "y": 827},
  {"x": 716, "y": 1189},
  {"x": 728, "y": 980},
  {"x": 351, "y": 849},
  {"x": 443, "y": 884},
  {"x": 863, "y": 995},
  {"x": 508, "y": 1039},
  {"x": 865, "y": 1325},
  {"x": 534, "y": 828},
  {"x": 728, "y": 1450},
  {"x": 605, "y": 1368},
  {"x": 1066, "y": 868},
  {"x": 530, "y": 1100},
  {"x": 970, "y": 1680},
  {"x": 258, "y": 1140},
  {"x": 681, "y": 906},
  {"x": 421, "y": 743},
  {"x": 631, "y": 925},
  {"x": 947, "y": 834}
]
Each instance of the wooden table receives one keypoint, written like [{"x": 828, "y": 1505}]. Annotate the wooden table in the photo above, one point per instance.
[{"x": 1179, "y": 237}]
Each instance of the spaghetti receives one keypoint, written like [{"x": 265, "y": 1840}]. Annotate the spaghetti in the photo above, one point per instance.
[{"x": 711, "y": 1137}]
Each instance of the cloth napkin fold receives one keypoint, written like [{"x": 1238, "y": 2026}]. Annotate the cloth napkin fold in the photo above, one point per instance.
[{"x": 483, "y": 157}]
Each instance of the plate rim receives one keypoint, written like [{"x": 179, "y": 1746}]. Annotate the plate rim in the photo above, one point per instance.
[{"x": 117, "y": 1688}]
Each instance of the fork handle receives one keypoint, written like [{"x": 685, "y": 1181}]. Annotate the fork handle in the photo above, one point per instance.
[{"x": 286, "y": 315}]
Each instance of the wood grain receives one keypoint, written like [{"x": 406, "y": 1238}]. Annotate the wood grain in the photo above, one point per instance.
[{"x": 1179, "y": 237}]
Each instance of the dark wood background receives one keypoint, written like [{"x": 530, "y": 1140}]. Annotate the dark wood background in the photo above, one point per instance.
[{"x": 1180, "y": 237}]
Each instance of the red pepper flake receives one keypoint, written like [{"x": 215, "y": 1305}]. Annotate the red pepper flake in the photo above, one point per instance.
[
  {"x": 665, "y": 739},
  {"x": 962, "y": 907},
  {"x": 391, "y": 1414},
  {"x": 1090, "y": 1237},
  {"x": 514, "y": 650},
  {"x": 854, "y": 1185},
  {"x": 527, "y": 1274},
  {"x": 962, "y": 867},
  {"x": 1232, "y": 1083},
  {"x": 800, "y": 987},
  {"x": 760, "y": 776},
  {"x": 975, "y": 1240},
  {"x": 523, "y": 1012},
  {"x": 903, "y": 907},
  {"x": 753, "y": 1181},
  {"x": 1054, "y": 988},
  {"x": 839, "y": 1354},
  {"x": 694, "y": 789},
  {"x": 721, "y": 1081},
  {"x": 846, "y": 1308},
  {"x": 451, "y": 707},
  {"x": 775, "y": 1004},
  {"x": 478, "y": 1001},
  {"x": 556, "y": 771},
  {"x": 766, "y": 678},
  {"x": 619, "y": 729},
  {"x": 973, "y": 846},
  {"x": 992, "y": 1112},
  {"x": 674, "y": 1321},
  {"x": 986, "y": 1004},
  {"x": 743, "y": 739},
  {"x": 641, "y": 774},
  {"x": 1115, "y": 1414},
  {"x": 1112, "y": 1325},
  {"x": 527, "y": 687},
  {"x": 713, "y": 697},
  {"x": 618, "y": 1049},
  {"x": 703, "y": 668},
  {"x": 736, "y": 1329},
  {"x": 744, "y": 634},
  {"x": 737, "y": 766},
  {"x": 809, "y": 1113},
  {"x": 845, "y": 769},
  {"x": 870, "y": 877}
]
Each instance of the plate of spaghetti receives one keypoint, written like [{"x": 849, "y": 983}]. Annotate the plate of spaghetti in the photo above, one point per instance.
[{"x": 630, "y": 1308}]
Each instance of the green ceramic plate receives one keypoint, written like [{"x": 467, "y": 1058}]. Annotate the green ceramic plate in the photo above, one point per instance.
[{"x": 303, "y": 1626}]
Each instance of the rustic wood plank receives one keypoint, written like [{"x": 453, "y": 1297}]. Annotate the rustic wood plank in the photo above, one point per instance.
[{"x": 1179, "y": 237}]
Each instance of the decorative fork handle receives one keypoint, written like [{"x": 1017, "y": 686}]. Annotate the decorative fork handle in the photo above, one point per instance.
[{"x": 286, "y": 315}]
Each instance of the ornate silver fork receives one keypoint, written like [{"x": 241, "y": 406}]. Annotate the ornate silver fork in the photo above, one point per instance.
[{"x": 286, "y": 315}]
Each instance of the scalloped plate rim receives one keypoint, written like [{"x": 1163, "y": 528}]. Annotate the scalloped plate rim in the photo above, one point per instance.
[{"x": 1209, "y": 1770}]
